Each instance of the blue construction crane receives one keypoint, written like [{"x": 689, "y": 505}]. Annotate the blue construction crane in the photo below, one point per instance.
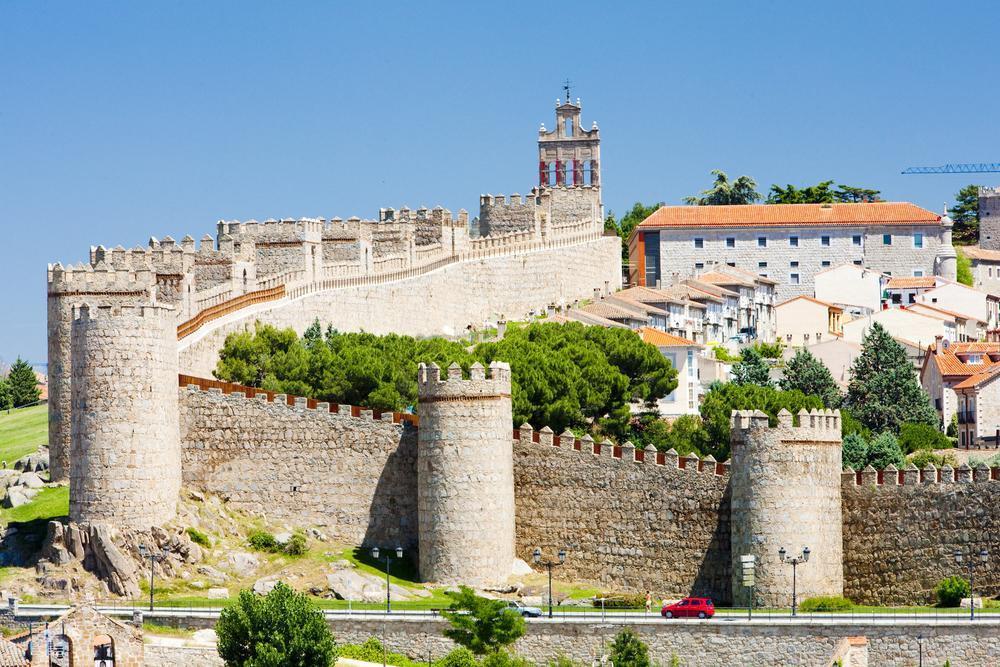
[{"x": 977, "y": 168}]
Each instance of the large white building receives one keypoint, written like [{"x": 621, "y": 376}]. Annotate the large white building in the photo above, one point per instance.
[{"x": 791, "y": 243}]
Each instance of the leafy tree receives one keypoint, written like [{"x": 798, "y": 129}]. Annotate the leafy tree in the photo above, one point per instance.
[
  {"x": 951, "y": 590},
  {"x": 913, "y": 437},
  {"x": 855, "y": 454},
  {"x": 480, "y": 625},
  {"x": 722, "y": 399},
  {"x": 741, "y": 191},
  {"x": 23, "y": 384},
  {"x": 685, "y": 434},
  {"x": 459, "y": 657},
  {"x": 810, "y": 376},
  {"x": 924, "y": 456},
  {"x": 282, "y": 629},
  {"x": 884, "y": 392},
  {"x": 624, "y": 225},
  {"x": 845, "y": 194},
  {"x": 6, "y": 399},
  {"x": 850, "y": 424},
  {"x": 769, "y": 350},
  {"x": 628, "y": 649},
  {"x": 751, "y": 369},
  {"x": 965, "y": 215},
  {"x": 813, "y": 194},
  {"x": 963, "y": 268},
  {"x": 883, "y": 450}
]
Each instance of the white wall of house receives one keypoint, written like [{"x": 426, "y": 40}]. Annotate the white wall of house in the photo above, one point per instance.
[
  {"x": 850, "y": 285},
  {"x": 684, "y": 399},
  {"x": 958, "y": 298},
  {"x": 802, "y": 322},
  {"x": 907, "y": 325}
]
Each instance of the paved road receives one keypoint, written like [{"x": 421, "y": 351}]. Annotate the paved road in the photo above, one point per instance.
[{"x": 727, "y": 617}]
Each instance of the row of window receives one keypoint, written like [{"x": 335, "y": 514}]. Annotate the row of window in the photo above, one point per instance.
[{"x": 793, "y": 241}]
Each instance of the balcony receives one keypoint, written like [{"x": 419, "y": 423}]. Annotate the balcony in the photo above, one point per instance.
[{"x": 966, "y": 416}]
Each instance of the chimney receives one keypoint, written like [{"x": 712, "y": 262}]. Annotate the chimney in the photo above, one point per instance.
[
  {"x": 597, "y": 294},
  {"x": 937, "y": 343}
]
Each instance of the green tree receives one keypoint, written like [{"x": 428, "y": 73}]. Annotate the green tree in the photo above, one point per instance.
[
  {"x": 282, "y": 629},
  {"x": 624, "y": 225},
  {"x": 23, "y": 384},
  {"x": 6, "y": 400},
  {"x": 723, "y": 398},
  {"x": 846, "y": 194},
  {"x": 913, "y": 437},
  {"x": 884, "y": 392},
  {"x": 951, "y": 590},
  {"x": 855, "y": 453},
  {"x": 723, "y": 191},
  {"x": 809, "y": 375},
  {"x": 883, "y": 450},
  {"x": 685, "y": 434},
  {"x": 965, "y": 214},
  {"x": 751, "y": 369},
  {"x": 813, "y": 194},
  {"x": 963, "y": 268},
  {"x": 628, "y": 649},
  {"x": 480, "y": 625}
]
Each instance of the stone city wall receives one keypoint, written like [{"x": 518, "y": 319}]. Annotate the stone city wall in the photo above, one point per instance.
[
  {"x": 901, "y": 529},
  {"x": 629, "y": 519},
  {"x": 502, "y": 215},
  {"x": 350, "y": 471},
  {"x": 440, "y": 302},
  {"x": 763, "y": 644}
]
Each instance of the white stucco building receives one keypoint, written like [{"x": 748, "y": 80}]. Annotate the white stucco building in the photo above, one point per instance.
[{"x": 683, "y": 355}]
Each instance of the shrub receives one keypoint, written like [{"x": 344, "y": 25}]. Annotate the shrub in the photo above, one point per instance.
[
  {"x": 951, "y": 590},
  {"x": 460, "y": 657},
  {"x": 883, "y": 450},
  {"x": 261, "y": 540},
  {"x": 562, "y": 661},
  {"x": 296, "y": 545},
  {"x": 855, "y": 454},
  {"x": 952, "y": 431},
  {"x": 198, "y": 537},
  {"x": 621, "y": 600},
  {"x": 628, "y": 649},
  {"x": 915, "y": 437},
  {"x": 504, "y": 659},
  {"x": 769, "y": 350},
  {"x": 925, "y": 456},
  {"x": 826, "y": 603}
]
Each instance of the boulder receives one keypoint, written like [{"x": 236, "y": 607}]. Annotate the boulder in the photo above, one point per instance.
[
  {"x": 16, "y": 497},
  {"x": 967, "y": 601},
  {"x": 218, "y": 594},
  {"x": 282, "y": 538},
  {"x": 8, "y": 477},
  {"x": 30, "y": 480},
  {"x": 521, "y": 568},
  {"x": 111, "y": 564},
  {"x": 265, "y": 585},
  {"x": 243, "y": 562},
  {"x": 35, "y": 462},
  {"x": 360, "y": 586},
  {"x": 214, "y": 575}
]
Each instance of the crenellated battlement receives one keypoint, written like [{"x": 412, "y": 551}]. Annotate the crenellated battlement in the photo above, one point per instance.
[
  {"x": 271, "y": 230},
  {"x": 910, "y": 475},
  {"x": 157, "y": 314},
  {"x": 812, "y": 425},
  {"x": 100, "y": 279},
  {"x": 482, "y": 383}
]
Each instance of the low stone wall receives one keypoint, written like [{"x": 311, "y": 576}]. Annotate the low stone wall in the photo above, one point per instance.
[
  {"x": 356, "y": 476},
  {"x": 899, "y": 540},
  {"x": 159, "y": 655},
  {"x": 627, "y": 525},
  {"x": 715, "y": 642}
]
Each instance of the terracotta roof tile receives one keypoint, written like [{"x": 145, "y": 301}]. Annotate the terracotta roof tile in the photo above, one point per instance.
[
  {"x": 719, "y": 278},
  {"x": 790, "y": 215},
  {"x": 809, "y": 298},
  {"x": 975, "y": 252},
  {"x": 663, "y": 339},
  {"x": 949, "y": 313},
  {"x": 979, "y": 378},
  {"x": 12, "y": 655},
  {"x": 611, "y": 311},
  {"x": 950, "y": 364},
  {"x": 911, "y": 283},
  {"x": 647, "y": 295}
]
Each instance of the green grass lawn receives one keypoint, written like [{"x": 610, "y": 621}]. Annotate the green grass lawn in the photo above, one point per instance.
[
  {"x": 50, "y": 503},
  {"x": 22, "y": 431}
]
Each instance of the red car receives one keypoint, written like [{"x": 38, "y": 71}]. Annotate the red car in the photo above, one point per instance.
[{"x": 689, "y": 608}]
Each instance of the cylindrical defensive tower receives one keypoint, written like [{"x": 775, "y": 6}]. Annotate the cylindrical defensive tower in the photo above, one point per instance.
[
  {"x": 125, "y": 467},
  {"x": 786, "y": 494},
  {"x": 465, "y": 475}
]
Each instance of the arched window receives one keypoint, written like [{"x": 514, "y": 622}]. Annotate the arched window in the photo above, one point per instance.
[
  {"x": 570, "y": 173},
  {"x": 568, "y": 125},
  {"x": 588, "y": 176},
  {"x": 61, "y": 651},
  {"x": 104, "y": 651},
  {"x": 552, "y": 173}
]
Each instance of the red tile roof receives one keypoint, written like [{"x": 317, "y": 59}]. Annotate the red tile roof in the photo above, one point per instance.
[
  {"x": 950, "y": 364},
  {"x": 790, "y": 215},
  {"x": 979, "y": 378},
  {"x": 911, "y": 283},
  {"x": 975, "y": 252},
  {"x": 663, "y": 339},
  {"x": 809, "y": 298}
]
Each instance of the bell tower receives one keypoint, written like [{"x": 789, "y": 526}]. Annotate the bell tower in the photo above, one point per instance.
[{"x": 569, "y": 156}]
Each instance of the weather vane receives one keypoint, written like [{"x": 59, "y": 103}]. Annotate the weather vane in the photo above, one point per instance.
[{"x": 566, "y": 85}]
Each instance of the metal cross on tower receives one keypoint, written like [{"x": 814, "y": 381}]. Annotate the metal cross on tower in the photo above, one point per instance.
[{"x": 566, "y": 84}]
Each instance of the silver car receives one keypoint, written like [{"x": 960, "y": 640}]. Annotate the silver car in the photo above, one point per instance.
[{"x": 523, "y": 610}]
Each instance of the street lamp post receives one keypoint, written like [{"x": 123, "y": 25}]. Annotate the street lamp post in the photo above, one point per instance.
[
  {"x": 794, "y": 561},
  {"x": 920, "y": 644},
  {"x": 148, "y": 553},
  {"x": 388, "y": 560},
  {"x": 971, "y": 564},
  {"x": 549, "y": 564}
]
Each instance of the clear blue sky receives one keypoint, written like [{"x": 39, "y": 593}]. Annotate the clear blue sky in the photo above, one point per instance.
[{"x": 119, "y": 121}]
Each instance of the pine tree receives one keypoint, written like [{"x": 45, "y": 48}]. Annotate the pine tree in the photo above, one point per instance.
[
  {"x": 628, "y": 649},
  {"x": 810, "y": 376},
  {"x": 23, "y": 383},
  {"x": 855, "y": 454},
  {"x": 884, "y": 392},
  {"x": 6, "y": 400},
  {"x": 752, "y": 369},
  {"x": 883, "y": 450}
]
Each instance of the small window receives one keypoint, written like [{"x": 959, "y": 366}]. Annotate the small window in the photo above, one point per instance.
[
  {"x": 856, "y": 239},
  {"x": 918, "y": 273},
  {"x": 699, "y": 265},
  {"x": 793, "y": 241},
  {"x": 793, "y": 265},
  {"x": 761, "y": 241},
  {"x": 918, "y": 240},
  {"x": 887, "y": 239},
  {"x": 825, "y": 263},
  {"x": 763, "y": 274},
  {"x": 730, "y": 241},
  {"x": 897, "y": 297},
  {"x": 761, "y": 265},
  {"x": 989, "y": 270},
  {"x": 825, "y": 241},
  {"x": 913, "y": 298},
  {"x": 733, "y": 264},
  {"x": 857, "y": 262},
  {"x": 793, "y": 278},
  {"x": 699, "y": 243}
]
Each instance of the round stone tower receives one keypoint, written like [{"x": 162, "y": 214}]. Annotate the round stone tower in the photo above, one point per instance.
[
  {"x": 465, "y": 475},
  {"x": 125, "y": 467},
  {"x": 947, "y": 258},
  {"x": 786, "y": 494}
]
